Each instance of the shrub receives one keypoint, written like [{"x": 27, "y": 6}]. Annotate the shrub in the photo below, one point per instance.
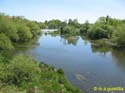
[
  {"x": 60, "y": 71},
  {"x": 5, "y": 42}
]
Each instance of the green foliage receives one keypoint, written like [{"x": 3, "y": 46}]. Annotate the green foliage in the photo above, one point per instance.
[
  {"x": 104, "y": 27},
  {"x": 60, "y": 71},
  {"x": 101, "y": 29},
  {"x": 84, "y": 28},
  {"x": 110, "y": 28},
  {"x": 98, "y": 31},
  {"x": 19, "y": 70},
  {"x": 54, "y": 24},
  {"x": 69, "y": 30},
  {"x": 42, "y": 25},
  {"x": 7, "y": 27},
  {"x": 34, "y": 28},
  {"x": 66, "y": 29},
  {"x": 119, "y": 35},
  {"x": 74, "y": 28},
  {"x": 17, "y": 29},
  {"x": 5, "y": 42},
  {"x": 24, "y": 33},
  {"x": 74, "y": 23},
  {"x": 22, "y": 73}
]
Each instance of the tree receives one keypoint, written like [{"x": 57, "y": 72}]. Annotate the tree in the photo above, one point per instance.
[
  {"x": 54, "y": 24},
  {"x": 74, "y": 23},
  {"x": 101, "y": 20},
  {"x": 84, "y": 28},
  {"x": 5, "y": 42},
  {"x": 98, "y": 31},
  {"x": 66, "y": 29},
  {"x": 24, "y": 33},
  {"x": 9, "y": 28},
  {"x": 119, "y": 35},
  {"x": 34, "y": 28}
]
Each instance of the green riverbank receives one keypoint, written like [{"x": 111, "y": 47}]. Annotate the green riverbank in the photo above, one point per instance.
[{"x": 22, "y": 74}]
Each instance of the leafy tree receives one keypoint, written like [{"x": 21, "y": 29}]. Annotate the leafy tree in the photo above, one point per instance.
[
  {"x": 5, "y": 42},
  {"x": 42, "y": 25},
  {"x": 101, "y": 29},
  {"x": 97, "y": 33},
  {"x": 54, "y": 24},
  {"x": 66, "y": 29},
  {"x": 34, "y": 28},
  {"x": 24, "y": 33},
  {"x": 74, "y": 23},
  {"x": 69, "y": 30},
  {"x": 9, "y": 28},
  {"x": 84, "y": 28},
  {"x": 18, "y": 28},
  {"x": 119, "y": 35}
]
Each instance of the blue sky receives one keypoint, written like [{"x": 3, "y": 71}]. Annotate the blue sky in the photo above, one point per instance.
[{"x": 83, "y": 10}]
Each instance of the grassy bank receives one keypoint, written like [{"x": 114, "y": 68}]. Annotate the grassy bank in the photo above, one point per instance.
[{"x": 22, "y": 74}]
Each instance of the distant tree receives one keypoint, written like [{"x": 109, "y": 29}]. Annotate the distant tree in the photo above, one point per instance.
[
  {"x": 84, "y": 28},
  {"x": 54, "y": 24},
  {"x": 74, "y": 23}
]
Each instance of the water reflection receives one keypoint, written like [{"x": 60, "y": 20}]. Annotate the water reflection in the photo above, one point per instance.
[
  {"x": 70, "y": 40},
  {"x": 119, "y": 56},
  {"x": 102, "y": 50},
  {"x": 81, "y": 60}
]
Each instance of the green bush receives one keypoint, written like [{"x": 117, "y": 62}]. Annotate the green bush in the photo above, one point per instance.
[
  {"x": 34, "y": 28},
  {"x": 99, "y": 31},
  {"x": 22, "y": 73},
  {"x": 5, "y": 42},
  {"x": 71, "y": 30},
  {"x": 21, "y": 69},
  {"x": 24, "y": 33},
  {"x": 18, "y": 29},
  {"x": 60, "y": 71},
  {"x": 119, "y": 35}
]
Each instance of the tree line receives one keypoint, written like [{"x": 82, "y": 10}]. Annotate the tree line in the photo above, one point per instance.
[
  {"x": 104, "y": 28},
  {"x": 21, "y": 73},
  {"x": 16, "y": 29}
]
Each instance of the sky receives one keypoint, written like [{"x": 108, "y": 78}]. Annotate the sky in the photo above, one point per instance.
[{"x": 41, "y": 10}]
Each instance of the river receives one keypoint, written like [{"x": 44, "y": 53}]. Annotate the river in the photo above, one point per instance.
[{"x": 85, "y": 66}]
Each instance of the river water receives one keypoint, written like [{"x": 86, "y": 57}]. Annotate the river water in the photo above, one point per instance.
[{"x": 85, "y": 66}]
